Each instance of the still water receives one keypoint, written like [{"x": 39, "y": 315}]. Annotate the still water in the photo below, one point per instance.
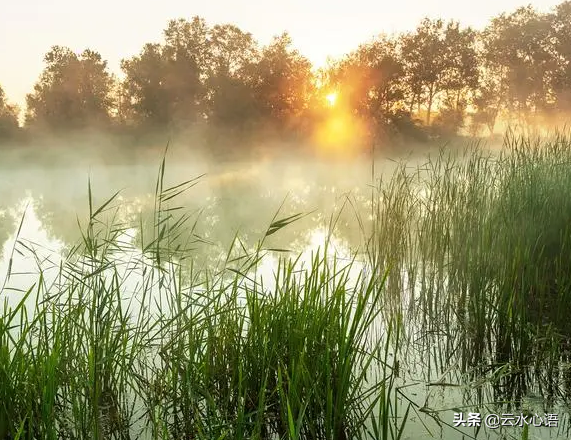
[{"x": 42, "y": 209}]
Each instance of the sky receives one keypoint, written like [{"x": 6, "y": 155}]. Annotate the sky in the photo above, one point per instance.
[{"x": 118, "y": 29}]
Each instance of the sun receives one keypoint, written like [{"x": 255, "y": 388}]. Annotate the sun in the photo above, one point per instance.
[{"x": 331, "y": 99}]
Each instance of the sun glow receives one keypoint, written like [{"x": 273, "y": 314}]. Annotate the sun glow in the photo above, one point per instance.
[
  {"x": 331, "y": 99},
  {"x": 337, "y": 131}
]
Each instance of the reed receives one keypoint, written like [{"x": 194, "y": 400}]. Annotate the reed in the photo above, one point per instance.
[
  {"x": 132, "y": 342},
  {"x": 467, "y": 272}
]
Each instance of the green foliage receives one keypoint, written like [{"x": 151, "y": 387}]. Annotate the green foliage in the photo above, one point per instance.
[
  {"x": 164, "y": 83},
  {"x": 216, "y": 74},
  {"x": 371, "y": 80},
  {"x": 516, "y": 70},
  {"x": 467, "y": 271},
  {"x": 73, "y": 92},
  {"x": 182, "y": 354},
  {"x": 519, "y": 62},
  {"x": 9, "y": 126},
  {"x": 438, "y": 58},
  {"x": 479, "y": 254}
]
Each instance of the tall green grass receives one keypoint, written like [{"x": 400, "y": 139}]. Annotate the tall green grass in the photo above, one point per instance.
[
  {"x": 467, "y": 274},
  {"x": 478, "y": 246},
  {"x": 130, "y": 343}
]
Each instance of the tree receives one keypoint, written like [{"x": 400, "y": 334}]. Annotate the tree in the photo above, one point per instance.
[
  {"x": 233, "y": 57},
  {"x": 73, "y": 91},
  {"x": 560, "y": 25},
  {"x": 164, "y": 84},
  {"x": 370, "y": 81},
  {"x": 438, "y": 58},
  {"x": 230, "y": 50},
  {"x": 216, "y": 74},
  {"x": 519, "y": 63},
  {"x": 8, "y": 117},
  {"x": 187, "y": 53},
  {"x": 488, "y": 101},
  {"x": 145, "y": 87},
  {"x": 450, "y": 117},
  {"x": 283, "y": 84}
]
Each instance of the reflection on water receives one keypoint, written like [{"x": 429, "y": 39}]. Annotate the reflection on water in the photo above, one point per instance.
[
  {"x": 41, "y": 210},
  {"x": 31, "y": 249},
  {"x": 28, "y": 248}
]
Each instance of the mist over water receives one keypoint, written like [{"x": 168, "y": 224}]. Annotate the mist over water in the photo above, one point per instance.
[
  {"x": 224, "y": 240},
  {"x": 47, "y": 191},
  {"x": 44, "y": 203}
]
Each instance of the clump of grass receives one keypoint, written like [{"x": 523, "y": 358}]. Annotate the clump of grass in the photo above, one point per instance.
[
  {"x": 468, "y": 272},
  {"x": 149, "y": 348},
  {"x": 479, "y": 251},
  {"x": 287, "y": 363},
  {"x": 519, "y": 258}
]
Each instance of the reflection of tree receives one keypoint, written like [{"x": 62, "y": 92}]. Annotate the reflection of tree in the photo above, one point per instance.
[
  {"x": 6, "y": 226},
  {"x": 12, "y": 197},
  {"x": 221, "y": 207}
]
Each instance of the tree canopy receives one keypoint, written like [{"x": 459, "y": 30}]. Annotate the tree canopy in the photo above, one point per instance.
[
  {"x": 73, "y": 91},
  {"x": 441, "y": 78},
  {"x": 8, "y": 117}
]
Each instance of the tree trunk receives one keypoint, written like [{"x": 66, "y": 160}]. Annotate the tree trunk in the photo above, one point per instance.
[
  {"x": 429, "y": 109},
  {"x": 431, "y": 93},
  {"x": 412, "y": 100}
]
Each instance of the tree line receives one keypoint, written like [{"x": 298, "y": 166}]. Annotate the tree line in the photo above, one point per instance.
[{"x": 441, "y": 79}]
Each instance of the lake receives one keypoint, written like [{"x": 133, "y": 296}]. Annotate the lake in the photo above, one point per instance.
[{"x": 238, "y": 204}]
